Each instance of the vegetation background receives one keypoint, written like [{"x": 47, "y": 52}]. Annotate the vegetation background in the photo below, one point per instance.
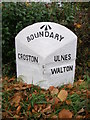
[
  {"x": 16, "y": 16},
  {"x": 27, "y": 99}
]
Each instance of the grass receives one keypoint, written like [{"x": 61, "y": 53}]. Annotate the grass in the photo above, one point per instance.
[{"x": 37, "y": 96}]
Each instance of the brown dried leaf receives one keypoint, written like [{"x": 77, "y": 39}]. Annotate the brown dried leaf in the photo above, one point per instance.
[
  {"x": 16, "y": 116},
  {"x": 51, "y": 88},
  {"x": 70, "y": 86},
  {"x": 71, "y": 92},
  {"x": 36, "y": 107},
  {"x": 54, "y": 91},
  {"x": 79, "y": 82},
  {"x": 16, "y": 99},
  {"x": 63, "y": 95},
  {"x": 65, "y": 114},
  {"x": 79, "y": 117},
  {"x": 88, "y": 93},
  {"x": 22, "y": 86},
  {"x": 11, "y": 79},
  {"x": 55, "y": 117},
  {"x": 48, "y": 108},
  {"x": 5, "y": 114},
  {"x": 78, "y": 92},
  {"x": 68, "y": 102},
  {"x": 43, "y": 106},
  {"x": 33, "y": 111},
  {"x": 6, "y": 78},
  {"x": 29, "y": 107},
  {"x": 46, "y": 116},
  {"x": 56, "y": 100},
  {"x": 29, "y": 113},
  {"x": 18, "y": 109},
  {"x": 29, "y": 85},
  {"x": 40, "y": 108},
  {"x": 81, "y": 111},
  {"x": 77, "y": 25}
]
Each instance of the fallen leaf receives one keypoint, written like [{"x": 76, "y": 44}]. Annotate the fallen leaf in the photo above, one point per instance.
[
  {"x": 68, "y": 102},
  {"x": 84, "y": 91},
  {"x": 16, "y": 116},
  {"x": 79, "y": 116},
  {"x": 29, "y": 113},
  {"x": 5, "y": 114},
  {"x": 29, "y": 85},
  {"x": 54, "y": 91},
  {"x": 46, "y": 116},
  {"x": 78, "y": 92},
  {"x": 88, "y": 93},
  {"x": 65, "y": 114},
  {"x": 80, "y": 41},
  {"x": 27, "y": 98},
  {"x": 43, "y": 106},
  {"x": 36, "y": 107},
  {"x": 27, "y": 4},
  {"x": 33, "y": 111},
  {"x": 29, "y": 107},
  {"x": 11, "y": 79},
  {"x": 81, "y": 111},
  {"x": 54, "y": 117},
  {"x": 77, "y": 25},
  {"x": 47, "y": 99},
  {"x": 40, "y": 108},
  {"x": 18, "y": 109},
  {"x": 70, "y": 86},
  {"x": 62, "y": 95},
  {"x": 51, "y": 88},
  {"x": 56, "y": 100},
  {"x": 72, "y": 92},
  {"x": 16, "y": 99},
  {"x": 6, "y": 78},
  {"x": 48, "y": 108},
  {"x": 80, "y": 81}
]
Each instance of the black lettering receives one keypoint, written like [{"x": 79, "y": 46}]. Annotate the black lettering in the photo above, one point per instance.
[
  {"x": 27, "y": 57},
  {"x": 62, "y": 57},
  {"x": 66, "y": 57},
  {"x": 57, "y": 36},
  {"x": 28, "y": 39},
  {"x": 19, "y": 55},
  {"x": 41, "y": 34},
  {"x": 56, "y": 58},
  {"x": 61, "y": 70},
  {"x": 31, "y": 36},
  {"x": 54, "y": 71},
  {"x": 52, "y": 35},
  {"x": 71, "y": 68},
  {"x": 69, "y": 56},
  {"x": 46, "y": 33},
  {"x": 67, "y": 68},
  {"x": 35, "y": 59},
  {"x": 64, "y": 68},
  {"x": 32, "y": 59},
  {"x": 61, "y": 37},
  {"x": 36, "y": 35},
  {"x": 24, "y": 57}
]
